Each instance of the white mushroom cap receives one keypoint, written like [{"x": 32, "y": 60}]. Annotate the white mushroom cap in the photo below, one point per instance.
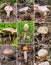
[
  {"x": 26, "y": 27},
  {"x": 44, "y": 63},
  {"x": 8, "y": 8},
  {"x": 8, "y": 52},
  {"x": 42, "y": 30},
  {"x": 42, "y": 53},
  {"x": 23, "y": 9},
  {"x": 43, "y": 8}
]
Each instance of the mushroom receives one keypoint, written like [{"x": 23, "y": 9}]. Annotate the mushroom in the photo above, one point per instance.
[
  {"x": 41, "y": 9},
  {"x": 26, "y": 27},
  {"x": 8, "y": 9},
  {"x": 24, "y": 9},
  {"x": 43, "y": 30},
  {"x": 43, "y": 53},
  {"x": 25, "y": 49},
  {"x": 10, "y": 31},
  {"x": 8, "y": 52}
]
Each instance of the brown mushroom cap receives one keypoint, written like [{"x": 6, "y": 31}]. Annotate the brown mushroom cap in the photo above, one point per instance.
[
  {"x": 25, "y": 48},
  {"x": 8, "y": 52},
  {"x": 42, "y": 30}
]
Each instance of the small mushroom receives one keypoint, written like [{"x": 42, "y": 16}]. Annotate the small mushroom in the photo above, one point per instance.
[
  {"x": 8, "y": 52},
  {"x": 43, "y": 31},
  {"x": 8, "y": 9},
  {"x": 26, "y": 27},
  {"x": 43, "y": 53},
  {"x": 25, "y": 49},
  {"x": 24, "y": 9}
]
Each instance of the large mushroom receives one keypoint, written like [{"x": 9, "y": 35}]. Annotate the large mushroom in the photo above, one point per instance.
[
  {"x": 43, "y": 30},
  {"x": 7, "y": 53},
  {"x": 25, "y": 49},
  {"x": 43, "y": 53},
  {"x": 10, "y": 31},
  {"x": 8, "y": 9},
  {"x": 41, "y": 9}
]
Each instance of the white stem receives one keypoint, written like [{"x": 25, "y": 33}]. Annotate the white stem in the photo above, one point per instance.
[
  {"x": 8, "y": 14},
  {"x": 25, "y": 56}
]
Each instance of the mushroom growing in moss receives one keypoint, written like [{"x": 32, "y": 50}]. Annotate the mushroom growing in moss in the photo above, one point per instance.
[
  {"x": 43, "y": 30},
  {"x": 26, "y": 27},
  {"x": 8, "y": 9}
]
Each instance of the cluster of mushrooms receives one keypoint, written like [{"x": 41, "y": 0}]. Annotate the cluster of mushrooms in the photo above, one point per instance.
[{"x": 8, "y": 33}]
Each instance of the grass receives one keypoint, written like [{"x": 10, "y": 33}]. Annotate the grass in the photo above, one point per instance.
[
  {"x": 12, "y": 1},
  {"x": 9, "y": 25},
  {"x": 29, "y": 32}
]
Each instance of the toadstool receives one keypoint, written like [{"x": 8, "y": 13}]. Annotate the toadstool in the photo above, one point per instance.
[
  {"x": 10, "y": 31},
  {"x": 8, "y": 52},
  {"x": 42, "y": 53},
  {"x": 42, "y": 10},
  {"x": 43, "y": 30},
  {"x": 25, "y": 49},
  {"x": 8, "y": 9},
  {"x": 26, "y": 27}
]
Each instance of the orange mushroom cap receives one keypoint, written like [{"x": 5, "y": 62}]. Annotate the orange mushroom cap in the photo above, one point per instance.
[{"x": 25, "y": 48}]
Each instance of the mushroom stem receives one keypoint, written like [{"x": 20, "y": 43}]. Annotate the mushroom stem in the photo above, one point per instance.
[
  {"x": 8, "y": 14},
  {"x": 42, "y": 37},
  {"x": 25, "y": 56},
  {"x": 26, "y": 12},
  {"x": 6, "y": 57},
  {"x": 25, "y": 34}
]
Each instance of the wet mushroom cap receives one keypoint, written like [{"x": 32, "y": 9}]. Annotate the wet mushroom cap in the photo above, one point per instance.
[
  {"x": 8, "y": 52},
  {"x": 8, "y": 8},
  {"x": 26, "y": 27},
  {"x": 42, "y": 53},
  {"x": 42, "y": 30},
  {"x": 25, "y": 48}
]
